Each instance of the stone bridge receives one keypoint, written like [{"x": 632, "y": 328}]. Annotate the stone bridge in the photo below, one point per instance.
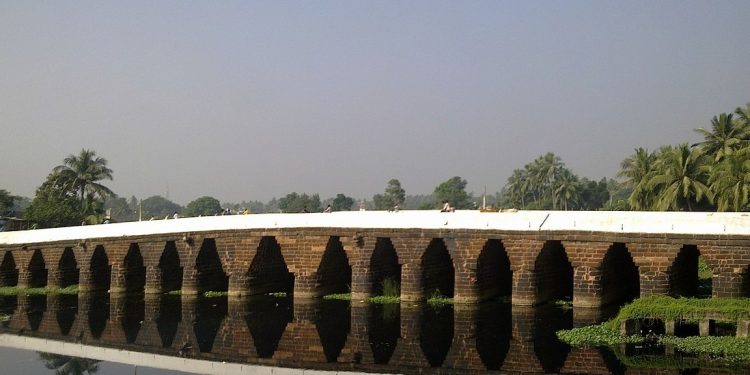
[{"x": 593, "y": 258}]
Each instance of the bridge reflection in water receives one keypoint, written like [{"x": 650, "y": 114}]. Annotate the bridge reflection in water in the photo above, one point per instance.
[{"x": 321, "y": 335}]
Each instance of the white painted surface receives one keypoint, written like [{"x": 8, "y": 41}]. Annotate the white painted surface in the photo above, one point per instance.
[
  {"x": 194, "y": 366},
  {"x": 597, "y": 221}
]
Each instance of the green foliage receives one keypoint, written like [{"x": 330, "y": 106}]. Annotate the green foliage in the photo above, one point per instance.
[
  {"x": 338, "y": 296},
  {"x": 277, "y": 294},
  {"x": 159, "y": 207},
  {"x": 212, "y": 293},
  {"x": 596, "y": 335},
  {"x": 391, "y": 287},
  {"x": 692, "y": 309},
  {"x": 54, "y": 205},
  {"x": 82, "y": 173},
  {"x": 121, "y": 209},
  {"x": 6, "y": 203},
  {"x": 394, "y": 194},
  {"x": 436, "y": 299},
  {"x": 454, "y": 192},
  {"x": 733, "y": 349},
  {"x": 342, "y": 203},
  {"x": 384, "y": 299},
  {"x": 203, "y": 206},
  {"x": 174, "y": 293},
  {"x": 680, "y": 178},
  {"x": 14, "y": 290},
  {"x": 294, "y": 202}
]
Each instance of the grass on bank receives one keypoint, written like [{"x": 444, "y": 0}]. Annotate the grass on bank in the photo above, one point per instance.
[
  {"x": 726, "y": 348},
  {"x": 14, "y": 290}
]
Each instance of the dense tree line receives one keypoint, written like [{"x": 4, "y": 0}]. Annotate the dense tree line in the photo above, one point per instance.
[{"x": 713, "y": 174}]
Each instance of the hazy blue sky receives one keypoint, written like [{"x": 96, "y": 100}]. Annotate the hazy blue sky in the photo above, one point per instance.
[{"x": 251, "y": 100}]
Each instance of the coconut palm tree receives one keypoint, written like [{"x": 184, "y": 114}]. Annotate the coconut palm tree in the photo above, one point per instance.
[
  {"x": 680, "y": 178},
  {"x": 636, "y": 169},
  {"x": 516, "y": 188},
  {"x": 567, "y": 188},
  {"x": 64, "y": 365},
  {"x": 730, "y": 181},
  {"x": 726, "y": 136},
  {"x": 83, "y": 172}
]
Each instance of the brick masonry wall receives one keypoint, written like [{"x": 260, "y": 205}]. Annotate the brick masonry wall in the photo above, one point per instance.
[{"x": 302, "y": 251}]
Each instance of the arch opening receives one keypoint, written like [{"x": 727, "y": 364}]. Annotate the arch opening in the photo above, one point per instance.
[
  {"x": 436, "y": 333},
  {"x": 170, "y": 268},
  {"x": 211, "y": 275},
  {"x": 168, "y": 320},
  {"x": 37, "y": 270},
  {"x": 67, "y": 309},
  {"x": 553, "y": 274},
  {"x": 689, "y": 275},
  {"x": 268, "y": 270},
  {"x": 437, "y": 270},
  {"x": 620, "y": 278},
  {"x": 385, "y": 330},
  {"x": 68, "y": 266},
  {"x": 494, "y": 277},
  {"x": 135, "y": 270},
  {"x": 333, "y": 322},
  {"x": 101, "y": 270},
  {"x": 8, "y": 270},
  {"x": 334, "y": 273},
  {"x": 385, "y": 271},
  {"x": 267, "y": 319}
]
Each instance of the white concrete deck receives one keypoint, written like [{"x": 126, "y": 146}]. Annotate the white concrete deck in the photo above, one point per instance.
[
  {"x": 194, "y": 366},
  {"x": 706, "y": 223}
]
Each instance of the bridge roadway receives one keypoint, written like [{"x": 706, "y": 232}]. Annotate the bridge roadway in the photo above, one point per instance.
[{"x": 593, "y": 258}]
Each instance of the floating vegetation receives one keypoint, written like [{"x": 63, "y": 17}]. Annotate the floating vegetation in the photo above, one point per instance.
[
  {"x": 339, "y": 296},
  {"x": 215, "y": 294},
  {"x": 14, "y": 290},
  {"x": 177, "y": 292},
  {"x": 564, "y": 304},
  {"x": 277, "y": 294},
  {"x": 384, "y": 299},
  {"x": 728, "y": 349}
]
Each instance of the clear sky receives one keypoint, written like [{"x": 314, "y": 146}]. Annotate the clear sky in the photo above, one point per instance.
[{"x": 253, "y": 100}]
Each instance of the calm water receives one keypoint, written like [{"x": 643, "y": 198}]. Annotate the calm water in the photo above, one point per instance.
[{"x": 169, "y": 335}]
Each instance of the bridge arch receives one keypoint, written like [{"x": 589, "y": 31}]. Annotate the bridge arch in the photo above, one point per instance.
[
  {"x": 684, "y": 280},
  {"x": 68, "y": 266},
  {"x": 553, "y": 273},
  {"x": 334, "y": 274},
  {"x": 37, "y": 270},
  {"x": 8, "y": 270},
  {"x": 170, "y": 268},
  {"x": 100, "y": 270},
  {"x": 620, "y": 276},
  {"x": 494, "y": 276},
  {"x": 134, "y": 269},
  {"x": 211, "y": 275},
  {"x": 268, "y": 271},
  {"x": 385, "y": 269},
  {"x": 438, "y": 273}
]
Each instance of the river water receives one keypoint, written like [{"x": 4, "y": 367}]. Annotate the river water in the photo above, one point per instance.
[{"x": 174, "y": 335}]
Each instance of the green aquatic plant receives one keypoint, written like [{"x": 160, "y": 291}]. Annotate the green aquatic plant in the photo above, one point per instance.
[
  {"x": 215, "y": 294},
  {"x": 338, "y": 296},
  {"x": 384, "y": 299}
]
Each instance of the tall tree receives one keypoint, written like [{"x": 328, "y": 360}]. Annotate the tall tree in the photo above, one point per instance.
[
  {"x": 158, "y": 207},
  {"x": 730, "y": 181},
  {"x": 54, "y": 205},
  {"x": 294, "y": 202},
  {"x": 567, "y": 188},
  {"x": 726, "y": 136},
  {"x": 394, "y": 194},
  {"x": 636, "y": 170},
  {"x": 453, "y": 190},
  {"x": 680, "y": 178},
  {"x": 203, "y": 206},
  {"x": 6, "y": 202},
  {"x": 342, "y": 202},
  {"x": 83, "y": 172}
]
